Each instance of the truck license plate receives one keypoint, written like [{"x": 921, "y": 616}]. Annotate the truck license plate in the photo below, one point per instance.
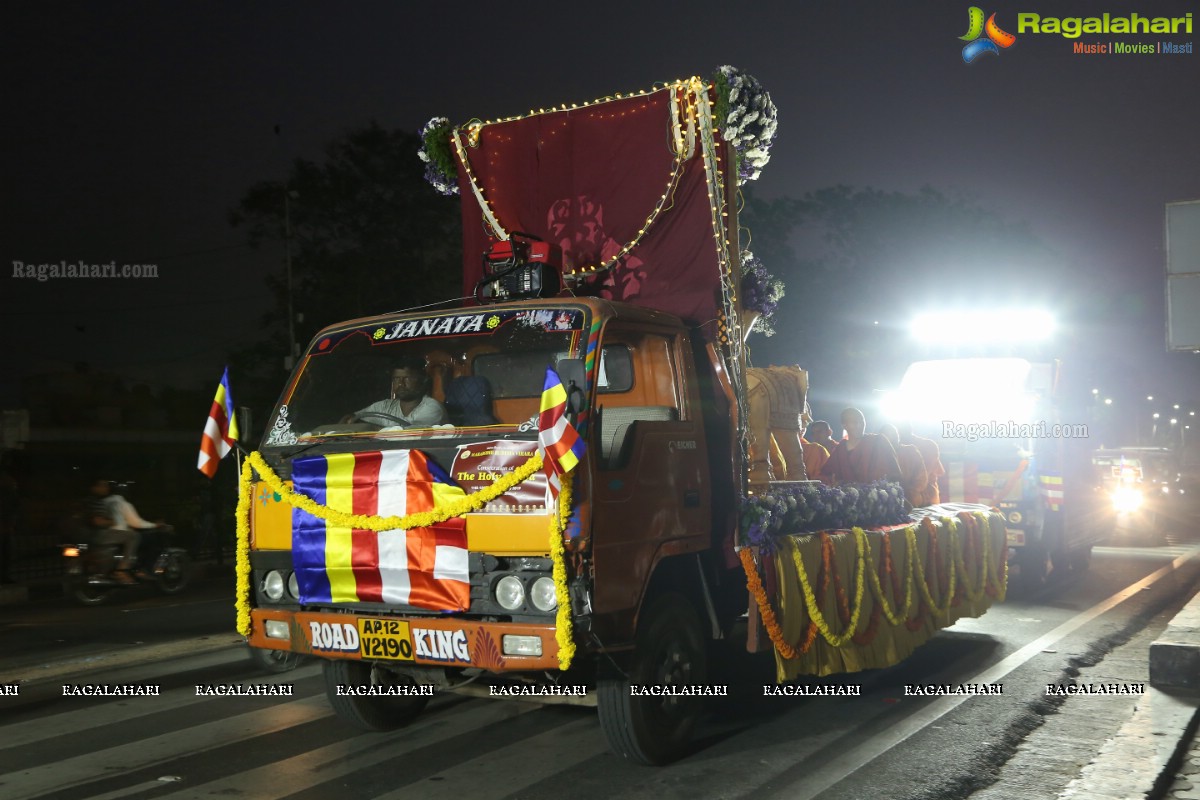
[
  {"x": 1016, "y": 538},
  {"x": 385, "y": 638}
]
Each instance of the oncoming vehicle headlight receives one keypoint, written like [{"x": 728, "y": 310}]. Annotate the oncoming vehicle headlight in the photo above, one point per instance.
[
  {"x": 542, "y": 594},
  {"x": 1015, "y": 517},
  {"x": 510, "y": 592},
  {"x": 1127, "y": 499},
  {"x": 272, "y": 585}
]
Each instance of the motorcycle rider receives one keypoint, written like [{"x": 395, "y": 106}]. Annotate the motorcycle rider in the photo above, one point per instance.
[{"x": 123, "y": 524}]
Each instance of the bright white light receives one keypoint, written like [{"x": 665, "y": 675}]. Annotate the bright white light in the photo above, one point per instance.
[
  {"x": 1174, "y": 421},
  {"x": 1095, "y": 391},
  {"x": 1149, "y": 397},
  {"x": 1108, "y": 401},
  {"x": 1155, "y": 415},
  {"x": 1127, "y": 499},
  {"x": 963, "y": 390},
  {"x": 981, "y": 326},
  {"x": 1176, "y": 406}
]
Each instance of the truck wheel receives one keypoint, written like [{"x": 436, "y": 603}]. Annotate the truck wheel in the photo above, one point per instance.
[
  {"x": 369, "y": 713},
  {"x": 275, "y": 662},
  {"x": 670, "y": 652}
]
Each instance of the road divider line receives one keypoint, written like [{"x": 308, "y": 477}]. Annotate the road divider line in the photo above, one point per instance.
[
  {"x": 291, "y": 775},
  {"x": 510, "y": 769},
  {"x": 144, "y": 753},
  {"x": 842, "y": 766}
]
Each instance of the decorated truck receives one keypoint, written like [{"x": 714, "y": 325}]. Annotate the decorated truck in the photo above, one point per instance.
[{"x": 569, "y": 488}]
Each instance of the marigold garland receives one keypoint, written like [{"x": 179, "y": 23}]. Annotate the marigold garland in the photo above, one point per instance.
[
  {"x": 754, "y": 584},
  {"x": 810, "y": 600},
  {"x": 562, "y": 622},
  {"x": 472, "y": 502},
  {"x": 242, "y": 559},
  {"x": 991, "y": 581}
]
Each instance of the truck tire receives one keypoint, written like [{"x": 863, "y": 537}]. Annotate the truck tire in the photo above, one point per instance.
[
  {"x": 670, "y": 651},
  {"x": 275, "y": 662},
  {"x": 369, "y": 713}
]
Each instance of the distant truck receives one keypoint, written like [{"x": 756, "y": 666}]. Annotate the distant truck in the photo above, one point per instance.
[{"x": 1010, "y": 436}]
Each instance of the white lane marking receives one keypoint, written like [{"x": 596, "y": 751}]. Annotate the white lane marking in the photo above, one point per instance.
[
  {"x": 840, "y": 767},
  {"x": 37, "y": 730},
  {"x": 300, "y": 772},
  {"x": 144, "y": 753},
  {"x": 509, "y": 769}
]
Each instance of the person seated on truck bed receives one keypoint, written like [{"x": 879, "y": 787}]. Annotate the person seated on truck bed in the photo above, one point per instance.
[
  {"x": 913, "y": 476},
  {"x": 821, "y": 433},
  {"x": 410, "y": 405},
  {"x": 932, "y": 457},
  {"x": 860, "y": 457}
]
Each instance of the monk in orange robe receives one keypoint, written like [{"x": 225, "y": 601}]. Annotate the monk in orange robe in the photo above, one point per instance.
[
  {"x": 861, "y": 457},
  {"x": 815, "y": 457},
  {"x": 913, "y": 477},
  {"x": 932, "y": 457}
]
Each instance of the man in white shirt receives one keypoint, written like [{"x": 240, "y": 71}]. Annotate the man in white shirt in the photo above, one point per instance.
[
  {"x": 410, "y": 405},
  {"x": 123, "y": 528}
]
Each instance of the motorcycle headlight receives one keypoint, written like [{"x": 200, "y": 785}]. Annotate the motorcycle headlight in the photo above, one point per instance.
[
  {"x": 1127, "y": 499},
  {"x": 272, "y": 586},
  {"x": 542, "y": 594},
  {"x": 510, "y": 592}
]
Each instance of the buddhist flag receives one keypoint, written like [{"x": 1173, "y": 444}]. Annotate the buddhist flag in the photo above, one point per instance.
[
  {"x": 558, "y": 441},
  {"x": 421, "y": 567},
  {"x": 220, "y": 432}
]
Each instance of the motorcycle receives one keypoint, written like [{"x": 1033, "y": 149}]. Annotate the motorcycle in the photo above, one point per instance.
[{"x": 89, "y": 568}]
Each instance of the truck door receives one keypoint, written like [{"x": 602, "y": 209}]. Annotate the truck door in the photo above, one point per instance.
[{"x": 651, "y": 488}]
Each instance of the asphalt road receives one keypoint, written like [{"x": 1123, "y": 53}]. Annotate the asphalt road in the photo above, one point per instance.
[{"x": 1091, "y": 628}]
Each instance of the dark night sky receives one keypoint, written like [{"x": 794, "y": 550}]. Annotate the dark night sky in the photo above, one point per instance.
[{"x": 133, "y": 127}]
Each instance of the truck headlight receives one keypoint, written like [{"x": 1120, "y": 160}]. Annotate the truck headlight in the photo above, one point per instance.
[
  {"x": 1127, "y": 499},
  {"x": 510, "y": 592},
  {"x": 542, "y": 594},
  {"x": 1015, "y": 517},
  {"x": 272, "y": 586},
  {"x": 294, "y": 586}
]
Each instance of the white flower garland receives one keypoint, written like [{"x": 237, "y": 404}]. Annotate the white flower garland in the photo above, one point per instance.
[{"x": 751, "y": 123}]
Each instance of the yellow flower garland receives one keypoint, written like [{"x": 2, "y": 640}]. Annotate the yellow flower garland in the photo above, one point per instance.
[
  {"x": 810, "y": 598},
  {"x": 422, "y": 519},
  {"x": 877, "y": 589},
  {"x": 562, "y": 622},
  {"x": 923, "y": 581},
  {"x": 242, "y": 562},
  {"x": 472, "y": 502}
]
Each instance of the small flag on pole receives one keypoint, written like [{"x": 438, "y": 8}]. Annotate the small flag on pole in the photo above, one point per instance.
[
  {"x": 220, "y": 432},
  {"x": 559, "y": 442}
]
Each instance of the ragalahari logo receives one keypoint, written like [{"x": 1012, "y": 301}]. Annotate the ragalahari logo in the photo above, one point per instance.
[{"x": 983, "y": 37}]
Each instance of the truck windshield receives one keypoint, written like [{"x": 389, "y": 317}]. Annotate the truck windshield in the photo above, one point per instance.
[{"x": 429, "y": 375}]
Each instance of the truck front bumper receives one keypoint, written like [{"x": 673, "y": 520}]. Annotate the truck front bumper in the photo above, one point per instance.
[{"x": 428, "y": 641}]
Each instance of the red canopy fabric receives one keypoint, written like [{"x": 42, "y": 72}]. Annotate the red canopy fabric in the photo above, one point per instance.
[{"x": 588, "y": 179}]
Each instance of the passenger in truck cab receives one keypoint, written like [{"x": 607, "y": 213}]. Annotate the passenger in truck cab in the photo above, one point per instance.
[
  {"x": 861, "y": 457},
  {"x": 409, "y": 405}
]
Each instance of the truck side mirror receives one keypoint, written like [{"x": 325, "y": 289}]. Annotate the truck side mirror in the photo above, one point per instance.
[{"x": 571, "y": 373}]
